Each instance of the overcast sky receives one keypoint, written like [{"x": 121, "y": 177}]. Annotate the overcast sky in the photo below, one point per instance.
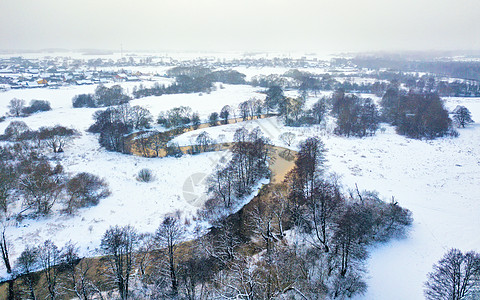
[{"x": 275, "y": 25}]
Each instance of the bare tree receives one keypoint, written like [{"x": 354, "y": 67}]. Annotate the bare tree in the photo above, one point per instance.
[
  {"x": 49, "y": 258},
  {"x": 8, "y": 182},
  {"x": 56, "y": 137},
  {"x": 85, "y": 189},
  {"x": 158, "y": 141},
  {"x": 225, "y": 113},
  {"x": 26, "y": 266},
  {"x": 288, "y": 138},
  {"x": 119, "y": 244},
  {"x": 324, "y": 208},
  {"x": 15, "y": 129},
  {"x": 454, "y": 277},
  {"x": 204, "y": 141},
  {"x": 221, "y": 185},
  {"x": 168, "y": 235},
  {"x": 15, "y": 107},
  {"x": 41, "y": 187},
  {"x": 5, "y": 248},
  {"x": 140, "y": 117},
  {"x": 462, "y": 116},
  {"x": 75, "y": 271}
]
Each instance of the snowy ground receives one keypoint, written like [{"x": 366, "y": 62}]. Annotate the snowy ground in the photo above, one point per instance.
[
  {"x": 142, "y": 205},
  {"x": 437, "y": 180}
]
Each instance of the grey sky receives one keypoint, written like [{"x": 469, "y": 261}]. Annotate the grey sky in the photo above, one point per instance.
[{"x": 284, "y": 25}]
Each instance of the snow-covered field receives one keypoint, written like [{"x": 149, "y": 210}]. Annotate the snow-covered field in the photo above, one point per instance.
[
  {"x": 142, "y": 205},
  {"x": 437, "y": 180}
]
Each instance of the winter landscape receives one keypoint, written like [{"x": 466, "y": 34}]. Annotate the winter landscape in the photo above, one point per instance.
[{"x": 299, "y": 155}]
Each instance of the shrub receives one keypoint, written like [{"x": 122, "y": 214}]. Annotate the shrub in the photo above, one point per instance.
[
  {"x": 145, "y": 175},
  {"x": 36, "y": 106},
  {"x": 85, "y": 189},
  {"x": 83, "y": 100}
]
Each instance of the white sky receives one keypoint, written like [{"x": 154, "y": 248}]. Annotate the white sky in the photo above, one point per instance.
[{"x": 276, "y": 25}]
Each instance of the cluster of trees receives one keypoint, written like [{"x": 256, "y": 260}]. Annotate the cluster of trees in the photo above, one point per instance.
[
  {"x": 114, "y": 123},
  {"x": 293, "y": 110},
  {"x": 192, "y": 79},
  {"x": 248, "y": 165},
  {"x": 47, "y": 271},
  {"x": 103, "y": 97},
  {"x": 335, "y": 227},
  {"x": 355, "y": 116},
  {"x": 469, "y": 70},
  {"x": 416, "y": 115},
  {"x": 152, "y": 143},
  {"x": 17, "y": 107},
  {"x": 179, "y": 117},
  {"x": 28, "y": 177}
]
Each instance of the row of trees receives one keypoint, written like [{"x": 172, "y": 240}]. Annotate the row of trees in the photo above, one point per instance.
[
  {"x": 229, "y": 183},
  {"x": 55, "y": 138},
  {"x": 191, "y": 79},
  {"x": 54, "y": 273},
  {"x": 335, "y": 227}
]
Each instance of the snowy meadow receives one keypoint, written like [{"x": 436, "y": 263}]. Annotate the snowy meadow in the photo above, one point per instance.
[{"x": 438, "y": 180}]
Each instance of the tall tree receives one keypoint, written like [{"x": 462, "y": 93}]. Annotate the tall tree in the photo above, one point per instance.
[
  {"x": 15, "y": 107},
  {"x": 49, "y": 258},
  {"x": 119, "y": 244},
  {"x": 168, "y": 235},
  {"x": 225, "y": 113}
]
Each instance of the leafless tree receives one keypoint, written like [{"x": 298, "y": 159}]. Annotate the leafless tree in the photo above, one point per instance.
[
  {"x": 49, "y": 258},
  {"x": 15, "y": 129},
  {"x": 56, "y": 137},
  {"x": 76, "y": 273},
  {"x": 41, "y": 187},
  {"x": 158, "y": 141},
  {"x": 288, "y": 138},
  {"x": 15, "y": 107},
  {"x": 454, "y": 277},
  {"x": 119, "y": 244},
  {"x": 225, "y": 113},
  {"x": 8, "y": 182},
  {"x": 5, "y": 247},
  {"x": 462, "y": 116},
  {"x": 140, "y": 117},
  {"x": 26, "y": 266},
  {"x": 204, "y": 141},
  {"x": 324, "y": 207},
  {"x": 85, "y": 189},
  {"x": 168, "y": 235}
]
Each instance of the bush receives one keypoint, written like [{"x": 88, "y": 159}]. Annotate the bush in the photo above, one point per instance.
[
  {"x": 85, "y": 189},
  {"x": 36, "y": 106},
  {"x": 83, "y": 100},
  {"x": 145, "y": 175},
  {"x": 15, "y": 129}
]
